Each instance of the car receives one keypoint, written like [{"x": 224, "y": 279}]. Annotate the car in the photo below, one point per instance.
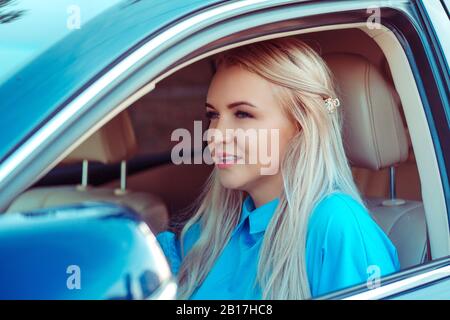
[{"x": 90, "y": 94}]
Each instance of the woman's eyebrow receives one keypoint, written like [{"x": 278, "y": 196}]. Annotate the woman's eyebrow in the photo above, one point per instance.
[{"x": 233, "y": 104}]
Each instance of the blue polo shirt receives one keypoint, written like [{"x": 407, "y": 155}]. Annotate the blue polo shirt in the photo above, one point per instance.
[{"x": 344, "y": 247}]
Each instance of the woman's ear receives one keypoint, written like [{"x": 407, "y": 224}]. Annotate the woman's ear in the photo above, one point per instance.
[
  {"x": 295, "y": 124},
  {"x": 298, "y": 127}
]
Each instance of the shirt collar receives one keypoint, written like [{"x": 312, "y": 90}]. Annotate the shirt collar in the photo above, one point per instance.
[{"x": 259, "y": 218}]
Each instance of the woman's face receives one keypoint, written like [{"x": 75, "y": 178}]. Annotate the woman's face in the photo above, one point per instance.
[{"x": 248, "y": 128}]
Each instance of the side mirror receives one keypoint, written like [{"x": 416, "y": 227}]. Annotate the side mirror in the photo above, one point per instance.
[{"x": 91, "y": 250}]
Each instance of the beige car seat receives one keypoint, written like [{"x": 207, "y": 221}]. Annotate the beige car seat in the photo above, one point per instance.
[
  {"x": 115, "y": 142},
  {"x": 375, "y": 138}
]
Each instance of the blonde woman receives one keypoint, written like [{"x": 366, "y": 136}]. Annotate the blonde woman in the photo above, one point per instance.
[{"x": 298, "y": 232}]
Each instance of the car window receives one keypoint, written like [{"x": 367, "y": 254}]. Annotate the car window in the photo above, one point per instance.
[{"x": 174, "y": 103}]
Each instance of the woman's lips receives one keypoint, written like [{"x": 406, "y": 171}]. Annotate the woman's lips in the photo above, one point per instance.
[{"x": 226, "y": 161}]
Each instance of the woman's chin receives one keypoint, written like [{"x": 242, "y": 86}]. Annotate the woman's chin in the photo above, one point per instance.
[
  {"x": 231, "y": 180},
  {"x": 230, "y": 184}
]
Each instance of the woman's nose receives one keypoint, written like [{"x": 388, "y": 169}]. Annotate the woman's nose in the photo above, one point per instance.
[
  {"x": 222, "y": 132},
  {"x": 221, "y": 138}
]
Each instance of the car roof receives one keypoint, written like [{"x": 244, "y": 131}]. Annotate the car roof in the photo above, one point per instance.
[{"x": 60, "y": 62}]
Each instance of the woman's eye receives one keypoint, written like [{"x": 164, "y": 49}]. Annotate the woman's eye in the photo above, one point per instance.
[
  {"x": 212, "y": 115},
  {"x": 243, "y": 114}
]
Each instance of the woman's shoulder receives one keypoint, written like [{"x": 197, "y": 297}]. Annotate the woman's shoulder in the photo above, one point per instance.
[
  {"x": 343, "y": 242},
  {"x": 339, "y": 209},
  {"x": 338, "y": 217},
  {"x": 340, "y": 222}
]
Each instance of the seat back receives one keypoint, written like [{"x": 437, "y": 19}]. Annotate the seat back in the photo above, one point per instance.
[
  {"x": 375, "y": 138},
  {"x": 114, "y": 142}
]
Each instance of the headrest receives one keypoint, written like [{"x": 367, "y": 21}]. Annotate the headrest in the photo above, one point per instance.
[
  {"x": 374, "y": 135},
  {"x": 112, "y": 143}
]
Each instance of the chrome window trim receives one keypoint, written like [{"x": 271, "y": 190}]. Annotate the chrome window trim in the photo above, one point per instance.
[{"x": 403, "y": 285}]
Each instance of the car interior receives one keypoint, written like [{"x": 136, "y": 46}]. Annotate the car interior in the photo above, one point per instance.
[{"x": 127, "y": 161}]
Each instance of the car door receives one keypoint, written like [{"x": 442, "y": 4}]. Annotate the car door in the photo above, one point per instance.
[{"x": 222, "y": 25}]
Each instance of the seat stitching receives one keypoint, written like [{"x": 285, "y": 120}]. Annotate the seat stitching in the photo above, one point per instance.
[
  {"x": 395, "y": 126},
  {"x": 371, "y": 117}
]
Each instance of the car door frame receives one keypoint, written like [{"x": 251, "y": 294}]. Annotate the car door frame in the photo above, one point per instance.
[{"x": 127, "y": 81}]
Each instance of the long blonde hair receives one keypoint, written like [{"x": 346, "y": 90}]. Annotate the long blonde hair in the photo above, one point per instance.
[{"x": 313, "y": 166}]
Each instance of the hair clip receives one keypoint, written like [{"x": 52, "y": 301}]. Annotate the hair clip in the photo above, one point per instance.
[{"x": 332, "y": 104}]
